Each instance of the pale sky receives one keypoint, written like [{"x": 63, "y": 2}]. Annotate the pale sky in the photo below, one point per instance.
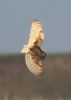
[{"x": 15, "y": 22}]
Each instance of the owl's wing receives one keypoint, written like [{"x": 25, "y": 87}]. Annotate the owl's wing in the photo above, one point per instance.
[
  {"x": 34, "y": 64},
  {"x": 36, "y": 34}
]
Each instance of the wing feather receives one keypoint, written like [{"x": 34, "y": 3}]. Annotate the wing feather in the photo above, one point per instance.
[
  {"x": 36, "y": 33},
  {"x": 35, "y": 68}
]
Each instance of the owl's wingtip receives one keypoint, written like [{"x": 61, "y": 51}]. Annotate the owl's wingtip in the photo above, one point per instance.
[{"x": 35, "y": 20}]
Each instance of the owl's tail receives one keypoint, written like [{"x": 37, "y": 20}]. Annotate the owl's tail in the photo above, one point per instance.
[{"x": 25, "y": 49}]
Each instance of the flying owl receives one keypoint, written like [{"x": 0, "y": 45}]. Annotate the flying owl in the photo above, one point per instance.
[{"x": 34, "y": 55}]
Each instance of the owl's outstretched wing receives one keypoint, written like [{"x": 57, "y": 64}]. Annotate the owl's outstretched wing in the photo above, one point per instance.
[
  {"x": 36, "y": 36},
  {"x": 36, "y": 33},
  {"x": 34, "y": 64}
]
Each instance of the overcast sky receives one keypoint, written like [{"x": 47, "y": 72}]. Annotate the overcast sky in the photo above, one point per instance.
[{"x": 16, "y": 17}]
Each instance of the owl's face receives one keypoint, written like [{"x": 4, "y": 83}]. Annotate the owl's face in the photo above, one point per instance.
[{"x": 36, "y": 51}]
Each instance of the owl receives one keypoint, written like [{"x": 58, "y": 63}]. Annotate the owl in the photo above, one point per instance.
[{"x": 34, "y": 55}]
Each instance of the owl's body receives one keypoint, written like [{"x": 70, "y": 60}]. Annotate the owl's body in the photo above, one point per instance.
[{"x": 34, "y": 55}]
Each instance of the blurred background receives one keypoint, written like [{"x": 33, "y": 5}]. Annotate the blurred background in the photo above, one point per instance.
[{"x": 16, "y": 81}]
